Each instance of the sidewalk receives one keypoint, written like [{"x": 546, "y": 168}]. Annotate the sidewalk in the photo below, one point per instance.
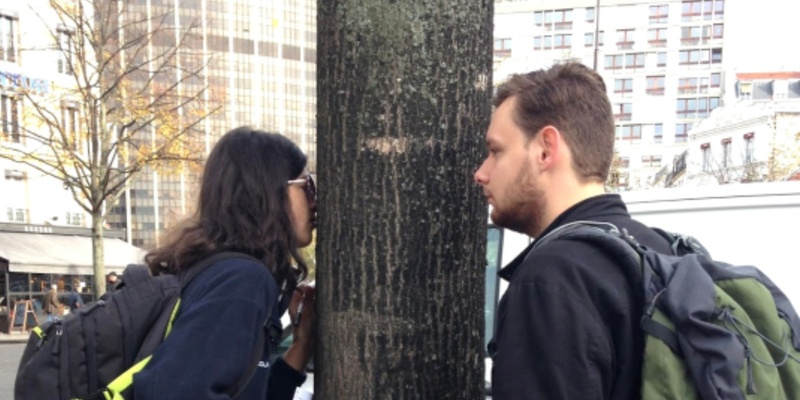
[{"x": 15, "y": 337}]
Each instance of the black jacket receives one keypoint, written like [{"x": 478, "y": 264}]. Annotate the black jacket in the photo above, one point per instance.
[{"x": 568, "y": 325}]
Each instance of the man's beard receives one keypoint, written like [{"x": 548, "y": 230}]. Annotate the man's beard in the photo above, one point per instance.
[{"x": 523, "y": 210}]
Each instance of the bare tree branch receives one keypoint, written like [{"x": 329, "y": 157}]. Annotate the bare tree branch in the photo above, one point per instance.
[{"x": 134, "y": 80}]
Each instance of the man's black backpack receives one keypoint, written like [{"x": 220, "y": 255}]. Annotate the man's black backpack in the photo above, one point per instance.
[
  {"x": 94, "y": 352},
  {"x": 713, "y": 331}
]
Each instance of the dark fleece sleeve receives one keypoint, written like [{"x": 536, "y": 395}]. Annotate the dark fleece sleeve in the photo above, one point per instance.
[{"x": 283, "y": 381}]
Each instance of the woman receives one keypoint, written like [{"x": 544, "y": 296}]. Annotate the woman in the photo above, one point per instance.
[{"x": 256, "y": 198}]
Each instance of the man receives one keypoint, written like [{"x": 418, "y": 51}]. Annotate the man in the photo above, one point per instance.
[
  {"x": 52, "y": 306},
  {"x": 568, "y": 325},
  {"x": 74, "y": 300},
  {"x": 111, "y": 282}
]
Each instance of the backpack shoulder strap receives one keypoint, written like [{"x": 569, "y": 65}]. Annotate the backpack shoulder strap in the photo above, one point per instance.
[{"x": 682, "y": 244}]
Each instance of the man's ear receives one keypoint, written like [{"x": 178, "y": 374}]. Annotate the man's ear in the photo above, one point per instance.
[{"x": 549, "y": 147}]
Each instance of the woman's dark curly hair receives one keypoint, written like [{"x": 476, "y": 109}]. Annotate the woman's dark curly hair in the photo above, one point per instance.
[{"x": 243, "y": 206}]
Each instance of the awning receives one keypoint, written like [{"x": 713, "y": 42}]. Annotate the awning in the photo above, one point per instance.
[{"x": 63, "y": 254}]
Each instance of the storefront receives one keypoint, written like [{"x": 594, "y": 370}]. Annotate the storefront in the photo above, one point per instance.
[{"x": 31, "y": 261}]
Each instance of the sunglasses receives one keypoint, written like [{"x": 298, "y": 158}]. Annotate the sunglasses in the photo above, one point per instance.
[{"x": 308, "y": 184}]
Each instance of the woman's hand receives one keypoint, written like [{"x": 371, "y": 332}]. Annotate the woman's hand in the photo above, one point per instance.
[{"x": 302, "y": 313}]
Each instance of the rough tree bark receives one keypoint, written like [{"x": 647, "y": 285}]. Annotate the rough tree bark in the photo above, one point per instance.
[{"x": 404, "y": 89}]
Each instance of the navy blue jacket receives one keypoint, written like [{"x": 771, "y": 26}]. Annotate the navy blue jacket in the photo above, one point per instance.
[
  {"x": 568, "y": 325},
  {"x": 220, "y": 320}
]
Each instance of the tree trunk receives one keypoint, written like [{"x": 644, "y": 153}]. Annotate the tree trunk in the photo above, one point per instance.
[
  {"x": 97, "y": 254},
  {"x": 404, "y": 92}
]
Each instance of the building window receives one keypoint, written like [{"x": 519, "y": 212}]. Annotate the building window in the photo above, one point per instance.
[
  {"x": 651, "y": 161},
  {"x": 562, "y": 19},
  {"x": 623, "y": 85},
  {"x": 623, "y": 111},
  {"x": 688, "y": 86},
  {"x": 620, "y": 179},
  {"x": 716, "y": 78},
  {"x": 659, "y": 14},
  {"x": 745, "y": 90},
  {"x": 698, "y": 85},
  {"x": 706, "y": 149},
  {"x": 75, "y": 219},
  {"x": 589, "y": 39},
  {"x": 67, "y": 49},
  {"x": 696, "y": 107},
  {"x": 614, "y": 62},
  {"x": 17, "y": 214},
  {"x": 590, "y": 14},
  {"x": 655, "y": 85},
  {"x": 632, "y": 133},
  {"x": 70, "y": 125},
  {"x": 8, "y": 38},
  {"x": 682, "y": 132},
  {"x": 657, "y": 37},
  {"x": 16, "y": 175},
  {"x": 716, "y": 56},
  {"x": 502, "y": 47},
  {"x": 749, "y": 148},
  {"x": 700, "y": 56},
  {"x": 562, "y": 41},
  {"x": 9, "y": 112},
  {"x": 726, "y": 152},
  {"x": 625, "y": 38},
  {"x": 661, "y": 59},
  {"x": 689, "y": 57},
  {"x": 658, "y": 133},
  {"x": 716, "y": 31},
  {"x": 693, "y": 10},
  {"x": 635, "y": 60}
]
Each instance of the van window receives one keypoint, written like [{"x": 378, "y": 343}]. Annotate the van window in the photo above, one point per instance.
[{"x": 494, "y": 241}]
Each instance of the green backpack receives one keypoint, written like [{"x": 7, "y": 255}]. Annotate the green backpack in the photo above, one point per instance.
[{"x": 712, "y": 331}]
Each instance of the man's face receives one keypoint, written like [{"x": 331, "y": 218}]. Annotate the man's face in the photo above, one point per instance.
[{"x": 508, "y": 175}]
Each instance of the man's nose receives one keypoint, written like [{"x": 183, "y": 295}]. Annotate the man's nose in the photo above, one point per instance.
[{"x": 480, "y": 175}]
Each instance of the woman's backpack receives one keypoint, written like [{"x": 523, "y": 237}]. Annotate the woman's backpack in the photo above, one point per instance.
[{"x": 94, "y": 352}]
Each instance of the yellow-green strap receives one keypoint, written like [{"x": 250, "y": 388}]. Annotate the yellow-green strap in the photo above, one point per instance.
[
  {"x": 172, "y": 317},
  {"x": 125, "y": 380},
  {"x": 39, "y": 333}
]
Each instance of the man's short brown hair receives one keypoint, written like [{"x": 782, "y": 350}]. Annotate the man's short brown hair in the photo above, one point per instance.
[{"x": 572, "y": 98}]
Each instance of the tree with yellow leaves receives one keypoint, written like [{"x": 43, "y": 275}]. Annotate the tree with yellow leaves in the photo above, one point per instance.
[{"x": 131, "y": 96}]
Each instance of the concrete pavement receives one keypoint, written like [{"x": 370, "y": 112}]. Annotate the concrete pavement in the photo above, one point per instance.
[
  {"x": 16, "y": 337},
  {"x": 10, "y": 354}
]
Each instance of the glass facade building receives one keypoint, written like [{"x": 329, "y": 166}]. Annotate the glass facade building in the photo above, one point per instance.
[{"x": 258, "y": 60}]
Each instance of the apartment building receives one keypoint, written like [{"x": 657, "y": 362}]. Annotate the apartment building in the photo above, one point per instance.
[
  {"x": 666, "y": 64},
  {"x": 30, "y": 62},
  {"x": 751, "y": 139},
  {"x": 44, "y": 234}
]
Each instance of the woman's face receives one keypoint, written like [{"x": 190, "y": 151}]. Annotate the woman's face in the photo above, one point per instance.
[{"x": 303, "y": 205}]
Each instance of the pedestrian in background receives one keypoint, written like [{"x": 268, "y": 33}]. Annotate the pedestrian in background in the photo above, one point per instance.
[{"x": 52, "y": 306}]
